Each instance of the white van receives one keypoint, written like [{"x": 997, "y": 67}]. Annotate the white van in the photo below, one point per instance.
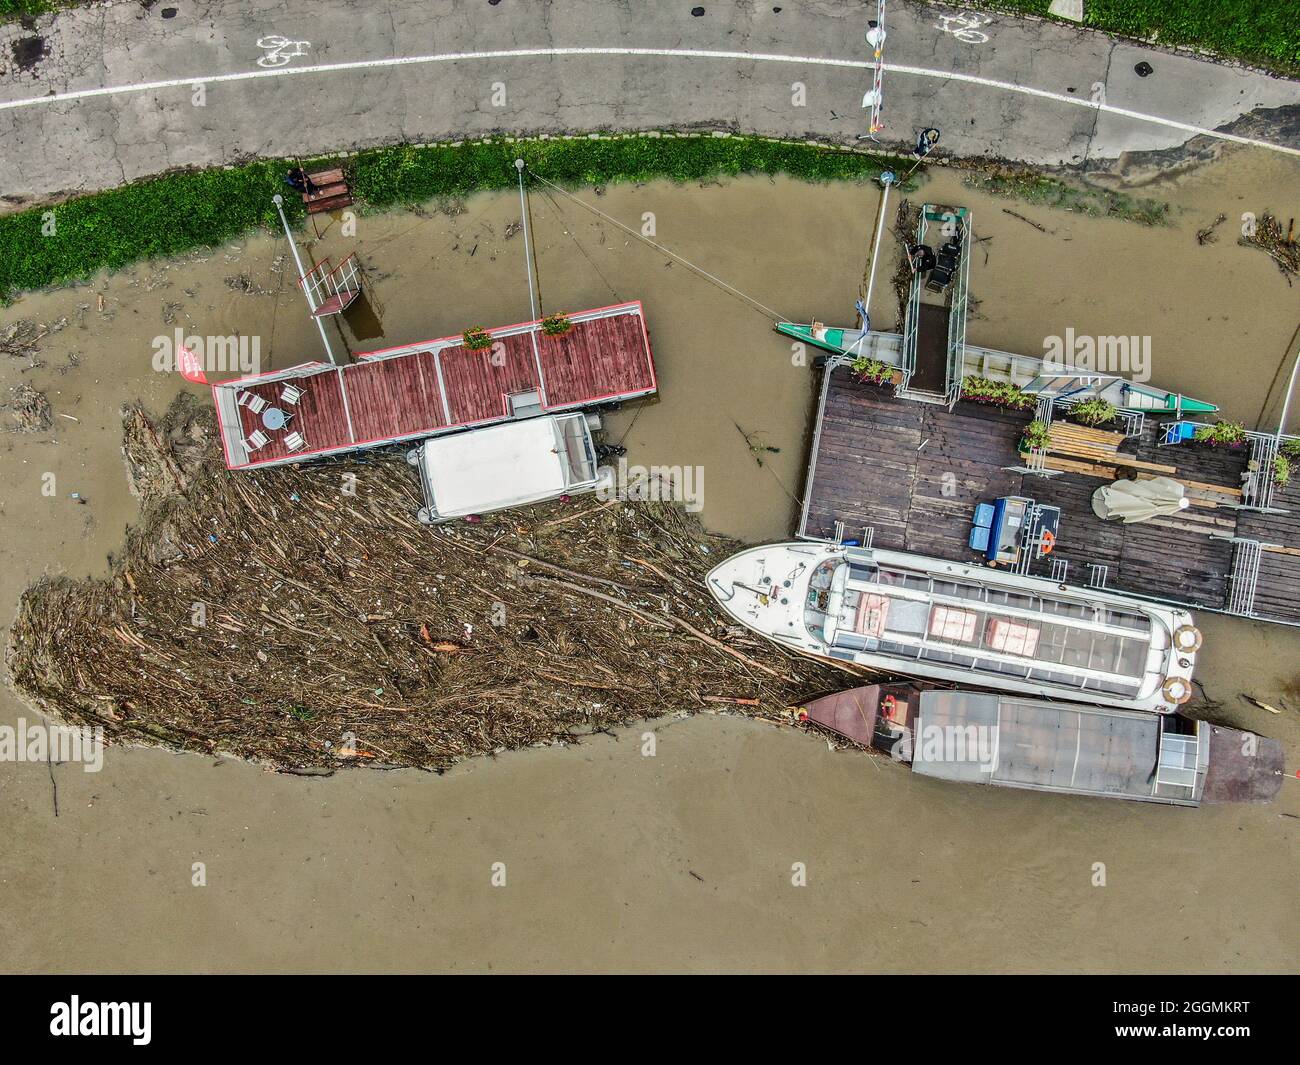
[{"x": 507, "y": 465}]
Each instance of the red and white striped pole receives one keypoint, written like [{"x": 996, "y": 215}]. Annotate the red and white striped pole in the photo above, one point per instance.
[{"x": 874, "y": 96}]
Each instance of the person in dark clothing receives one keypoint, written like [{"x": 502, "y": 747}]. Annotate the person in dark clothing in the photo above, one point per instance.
[
  {"x": 297, "y": 179},
  {"x": 925, "y": 142}
]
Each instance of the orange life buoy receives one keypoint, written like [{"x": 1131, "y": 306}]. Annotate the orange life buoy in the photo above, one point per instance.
[
  {"x": 1176, "y": 690},
  {"x": 1187, "y": 638},
  {"x": 1049, "y": 542}
]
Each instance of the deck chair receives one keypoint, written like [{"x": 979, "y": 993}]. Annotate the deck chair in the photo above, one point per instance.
[
  {"x": 295, "y": 442},
  {"x": 253, "y": 402},
  {"x": 256, "y": 439},
  {"x": 290, "y": 395}
]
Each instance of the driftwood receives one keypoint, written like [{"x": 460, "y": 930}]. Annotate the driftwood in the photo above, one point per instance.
[{"x": 290, "y": 614}]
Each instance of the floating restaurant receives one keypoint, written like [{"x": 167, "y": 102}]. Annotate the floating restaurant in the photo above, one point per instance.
[{"x": 904, "y": 459}]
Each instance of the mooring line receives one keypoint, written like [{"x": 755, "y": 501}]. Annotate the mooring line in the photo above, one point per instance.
[{"x": 767, "y": 311}]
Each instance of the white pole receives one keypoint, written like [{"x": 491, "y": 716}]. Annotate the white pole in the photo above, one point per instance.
[
  {"x": 1286, "y": 400},
  {"x": 528, "y": 252},
  {"x": 278, "y": 200},
  {"x": 526, "y": 222},
  {"x": 887, "y": 179}
]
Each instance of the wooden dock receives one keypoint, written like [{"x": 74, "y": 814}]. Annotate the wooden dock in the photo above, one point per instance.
[{"x": 913, "y": 473}]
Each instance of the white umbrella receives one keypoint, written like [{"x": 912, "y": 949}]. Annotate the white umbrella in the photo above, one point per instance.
[{"x": 1130, "y": 501}]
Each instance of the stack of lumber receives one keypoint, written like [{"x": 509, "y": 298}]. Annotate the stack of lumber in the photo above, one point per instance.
[{"x": 1097, "y": 446}]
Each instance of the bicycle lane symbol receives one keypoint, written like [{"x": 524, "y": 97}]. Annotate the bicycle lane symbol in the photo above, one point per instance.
[
  {"x": 965, "y": 28},
  {"x": 280, "y": 51}
]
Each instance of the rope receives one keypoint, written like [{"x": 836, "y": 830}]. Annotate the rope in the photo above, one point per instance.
[{"x": 767, "y": 311}]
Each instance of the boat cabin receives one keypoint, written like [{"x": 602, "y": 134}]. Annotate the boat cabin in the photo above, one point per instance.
[
  {"x": 859, "y": 605},
  {"x": 1011, "y": 741}
]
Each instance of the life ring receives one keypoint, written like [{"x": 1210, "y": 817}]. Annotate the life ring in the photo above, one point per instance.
[
  {"x": 1176, "y": 690},
  {"x": 1049, "y": 542},
  {"x": 1187, "y": 638}
]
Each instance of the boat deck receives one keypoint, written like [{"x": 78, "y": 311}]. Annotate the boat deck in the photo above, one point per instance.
[
  {"x": 436, "y": 386},
  {"x": 914, "y": 472}
]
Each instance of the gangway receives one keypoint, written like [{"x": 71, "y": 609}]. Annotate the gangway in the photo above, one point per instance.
[
  {"x": 934, "y": 328},
  {"x": 330, "y": 290}
]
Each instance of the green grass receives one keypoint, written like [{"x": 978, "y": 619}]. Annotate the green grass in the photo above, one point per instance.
[
  {"x": 1263, "y": 32},
  {"x": 178, "y": 212},
  {"x": 12, "y": 10}
]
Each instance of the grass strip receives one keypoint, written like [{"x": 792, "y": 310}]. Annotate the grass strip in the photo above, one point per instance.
[
  {"x": 1265, "y": 33},
  {"x": 178, "y": 212}
]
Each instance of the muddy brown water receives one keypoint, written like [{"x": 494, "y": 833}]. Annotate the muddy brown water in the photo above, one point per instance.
[{"x": 615, "y": 860}]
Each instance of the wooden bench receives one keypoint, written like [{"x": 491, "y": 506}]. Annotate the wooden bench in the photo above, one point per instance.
[{"x": 331, "y": 193}]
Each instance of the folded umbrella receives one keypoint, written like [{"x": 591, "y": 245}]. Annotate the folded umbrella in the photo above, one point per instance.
[{"x": 1133, "y": 501}]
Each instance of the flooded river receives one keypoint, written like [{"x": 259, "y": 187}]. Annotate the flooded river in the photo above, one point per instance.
[{"x": 684, "y": 860}]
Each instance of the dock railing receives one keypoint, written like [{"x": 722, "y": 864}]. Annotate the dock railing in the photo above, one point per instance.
[
  {"x": 957, "y": 317},
  {"x": 1258, "y": 483}
]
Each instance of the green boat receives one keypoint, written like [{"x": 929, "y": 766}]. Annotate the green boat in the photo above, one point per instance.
[{"x": 1024, "y": 371}]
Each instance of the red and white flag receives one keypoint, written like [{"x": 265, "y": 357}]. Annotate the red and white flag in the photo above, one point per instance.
[{"x": 190, "y": 366}]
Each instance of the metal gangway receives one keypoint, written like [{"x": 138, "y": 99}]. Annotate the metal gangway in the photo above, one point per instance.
[
  {"x": 330, "y": 290},
  {"x": 955, "y": 225},
  {"x": 1244, "y": 577}
]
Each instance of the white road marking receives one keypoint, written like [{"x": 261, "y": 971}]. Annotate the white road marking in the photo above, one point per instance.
[{"x": 665, "y": 53}]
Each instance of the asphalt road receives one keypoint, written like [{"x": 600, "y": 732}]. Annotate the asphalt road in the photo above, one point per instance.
[{"x": 54, "y": 146}]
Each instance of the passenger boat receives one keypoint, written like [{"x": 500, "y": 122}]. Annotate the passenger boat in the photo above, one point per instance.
[
  {"x": 1012, "y": 741},
  {"x": 971, "y": 625}
]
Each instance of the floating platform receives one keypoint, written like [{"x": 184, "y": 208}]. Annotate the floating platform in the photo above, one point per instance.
[
  {"x": 913, "y": 473},
  {"x": 434, "y": 386}
]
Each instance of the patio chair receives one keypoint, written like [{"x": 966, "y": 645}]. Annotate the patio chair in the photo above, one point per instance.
[
  {"x": 253, "y": 402},
  {"x": 295, "y": 442},
  {"x": 256, "y": 439},
  {"x": 290, "y": 395}
]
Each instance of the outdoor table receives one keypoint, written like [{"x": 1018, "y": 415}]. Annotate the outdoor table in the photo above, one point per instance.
[{"x": 273, "y": 418}]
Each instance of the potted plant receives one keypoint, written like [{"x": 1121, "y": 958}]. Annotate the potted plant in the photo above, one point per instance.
[
  {"x": 1221, "y": 434},
  {"x": 1093, "y": 411},
  {"x": 872, "y": 371},
  {"x": 996, "y": 393},
  {"x": 476, "y": 338},
  {"x": 1037, "y": 434},
  {"x": 556, "y": 325},
  {"x": 1281, "y": 470}
]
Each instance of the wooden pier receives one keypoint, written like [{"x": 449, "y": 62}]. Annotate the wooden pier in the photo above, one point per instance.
[{"x": 913, "y": 473}]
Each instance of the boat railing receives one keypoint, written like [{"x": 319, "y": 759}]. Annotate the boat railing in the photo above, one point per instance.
[{"x": 957, "y": 317}]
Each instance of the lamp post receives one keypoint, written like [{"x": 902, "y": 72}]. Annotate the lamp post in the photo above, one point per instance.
[
  {"x": 1286, "y": 399},
  {"x": 278, "y": 200}
]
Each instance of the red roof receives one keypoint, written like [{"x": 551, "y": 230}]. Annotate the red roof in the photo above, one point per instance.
[{"x": 434, "y": 386}]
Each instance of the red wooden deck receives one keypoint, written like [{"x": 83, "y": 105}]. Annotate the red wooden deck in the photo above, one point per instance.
[{"x": 438, "y": 385}]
